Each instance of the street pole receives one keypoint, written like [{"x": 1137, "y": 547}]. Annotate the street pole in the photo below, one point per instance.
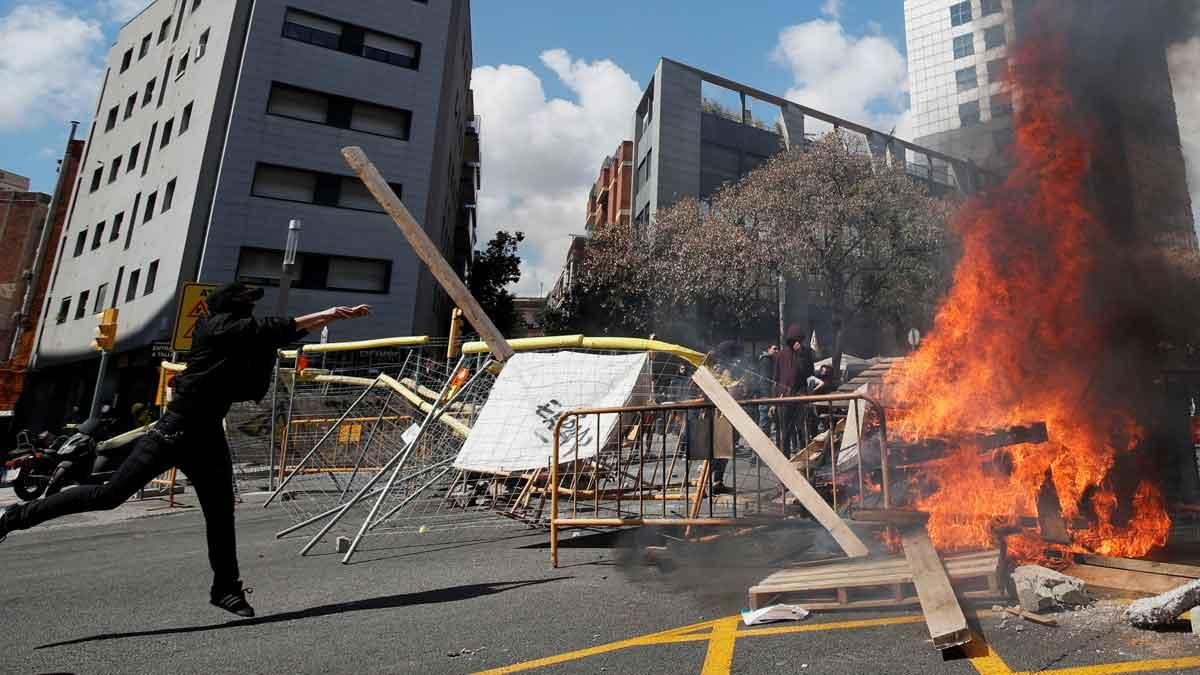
[
  {"x": 289, "y": 264},
  {"x": 99, "y": 384}
]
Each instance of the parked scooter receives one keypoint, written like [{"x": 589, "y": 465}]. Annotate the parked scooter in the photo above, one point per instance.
[
  {"x": 34, "y": 461},
  {"x": 90, "y": 457}
]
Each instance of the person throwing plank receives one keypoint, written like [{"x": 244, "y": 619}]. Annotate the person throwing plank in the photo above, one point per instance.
[{"x": 232, "y": 359}]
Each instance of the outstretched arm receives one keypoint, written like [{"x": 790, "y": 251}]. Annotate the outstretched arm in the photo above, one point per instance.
[{"x": 318, "y": 320}]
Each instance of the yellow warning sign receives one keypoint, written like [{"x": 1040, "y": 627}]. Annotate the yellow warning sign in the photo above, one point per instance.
[{"x": 192, "y": 306}]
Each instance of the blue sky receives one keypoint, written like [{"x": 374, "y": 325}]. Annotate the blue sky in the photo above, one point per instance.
[{"x": 555, "y": 82}]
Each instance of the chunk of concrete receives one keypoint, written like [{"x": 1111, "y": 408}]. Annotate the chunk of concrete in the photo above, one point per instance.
[
  {"x": 1041, "y": 588},
  {"x": 1165, "y": 608}
]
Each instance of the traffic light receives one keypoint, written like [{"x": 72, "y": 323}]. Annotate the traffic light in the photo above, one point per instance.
[{"x": 106, "y": 330}]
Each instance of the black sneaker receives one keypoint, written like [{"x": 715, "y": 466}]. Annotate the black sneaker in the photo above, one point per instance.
[
  {"x": 719, "y": 488},
  {"x": 234, "y": 601},
  {"x": 3, "y": 527}
]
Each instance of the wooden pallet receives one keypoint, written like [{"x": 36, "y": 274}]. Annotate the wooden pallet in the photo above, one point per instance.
[{"x": 856, "y": 584}]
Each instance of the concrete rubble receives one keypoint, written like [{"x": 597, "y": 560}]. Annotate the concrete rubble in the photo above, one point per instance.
[
  {"x": 1041, "y": 588},
  {"x": 1165, "y": 608}
]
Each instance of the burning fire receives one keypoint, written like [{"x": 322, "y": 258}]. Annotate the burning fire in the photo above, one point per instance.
[{"x": 1017, "y": 340}]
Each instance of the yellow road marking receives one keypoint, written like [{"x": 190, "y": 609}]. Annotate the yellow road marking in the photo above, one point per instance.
[
  {"x": 719, "y": 659},
  {"x": 1129, "y": 667},
  {"x": 723, "y": 634},
  {"x": 984, "y": 658}
]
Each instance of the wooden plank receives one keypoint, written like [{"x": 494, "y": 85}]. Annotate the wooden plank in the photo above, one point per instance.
[
  {"x": 943, "y": 615},
  {"x": 428, "y": 252},
  {"x": 1030, "y": 616},
  {"x": 1125, "y": 581},
  {"x": 971, "y": 565},
  {"x": 898, "y": 517},
  {"x": 1135, "y": 565},
  {"x": 779, "y": 465}
]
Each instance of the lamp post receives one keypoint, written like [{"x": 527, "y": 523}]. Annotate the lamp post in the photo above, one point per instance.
[{"x": 289, "y": 264}]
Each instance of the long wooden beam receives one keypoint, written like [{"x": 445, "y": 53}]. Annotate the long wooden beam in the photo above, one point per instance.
[
  {"x": 775, "y": 460},
  {"x": 943, "y": 615},
  {"x": 428, "y": 252}
]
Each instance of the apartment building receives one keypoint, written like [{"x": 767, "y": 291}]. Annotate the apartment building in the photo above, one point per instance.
[
  {"x": 218, "y": 122},
  {"x": 609, "y": 200}
]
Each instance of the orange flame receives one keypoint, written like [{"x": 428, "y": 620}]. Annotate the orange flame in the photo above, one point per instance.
[{"x": 1016, "y": 341}]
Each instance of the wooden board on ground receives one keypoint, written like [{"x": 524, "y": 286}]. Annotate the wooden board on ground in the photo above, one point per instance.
[
  {"x": 943, "y": 615},
  {"x": 1129, "y": 583},
  {"x": 1136, "y": 565},
  {"x": 778, "y": 463},
  {"x": 855, "y": 584}
]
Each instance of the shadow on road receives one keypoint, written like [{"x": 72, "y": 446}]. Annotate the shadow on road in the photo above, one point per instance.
[{"x": 451, "y": 594}]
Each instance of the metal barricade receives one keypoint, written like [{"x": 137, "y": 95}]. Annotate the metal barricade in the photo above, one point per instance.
[{"x": 632, "y": 466}]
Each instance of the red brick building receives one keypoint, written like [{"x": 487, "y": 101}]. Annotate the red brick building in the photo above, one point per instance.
[
  {"x": 22, "y": 217},
  {"x": 610, "y": 199}
]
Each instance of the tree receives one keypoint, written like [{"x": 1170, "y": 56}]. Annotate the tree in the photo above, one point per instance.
[{"x": 492, "y": 271}]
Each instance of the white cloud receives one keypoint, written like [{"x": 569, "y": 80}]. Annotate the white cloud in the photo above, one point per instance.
[
  {"x": 832, "y": 9},
  {"x": 1184, "y": 61},
  {"x": 52, "y": 54},
  {"x": 861, "y": 78},
  {"x": 123, "y": 10},
  {"x": 541, "y": 155}
]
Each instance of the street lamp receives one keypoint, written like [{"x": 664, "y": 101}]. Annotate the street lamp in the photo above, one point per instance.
[{"x": 289, "y": 263}]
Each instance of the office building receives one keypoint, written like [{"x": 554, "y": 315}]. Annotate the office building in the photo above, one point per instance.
[{"x": 220, "y": 122}]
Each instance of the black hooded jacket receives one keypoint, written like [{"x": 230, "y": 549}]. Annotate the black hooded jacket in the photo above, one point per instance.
[{"x": 232, "y": 354}]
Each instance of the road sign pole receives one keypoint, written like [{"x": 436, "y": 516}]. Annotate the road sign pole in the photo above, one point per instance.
[{"x": 99, "y": 384}]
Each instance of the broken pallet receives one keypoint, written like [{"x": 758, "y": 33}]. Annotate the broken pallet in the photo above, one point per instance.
[{"x": 856, "y": 584}]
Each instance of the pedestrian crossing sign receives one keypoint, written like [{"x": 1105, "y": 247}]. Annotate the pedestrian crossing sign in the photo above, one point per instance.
[{"x": 192, "y": 306}]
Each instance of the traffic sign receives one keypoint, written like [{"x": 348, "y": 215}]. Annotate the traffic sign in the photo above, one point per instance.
[{"x": 192, "y": 306}]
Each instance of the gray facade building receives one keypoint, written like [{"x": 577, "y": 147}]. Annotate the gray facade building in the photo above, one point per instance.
[
  {"x": 220, "y": 121},
  {"x": 695, "y": 131}
]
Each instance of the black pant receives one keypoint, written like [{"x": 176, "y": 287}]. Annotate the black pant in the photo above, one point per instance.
[{"x": 199, "y": 449}]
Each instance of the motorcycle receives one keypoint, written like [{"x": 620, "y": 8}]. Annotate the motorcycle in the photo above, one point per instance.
[
  {"x": 34, "y": 462},
  {"x": 86, "y": 457}
]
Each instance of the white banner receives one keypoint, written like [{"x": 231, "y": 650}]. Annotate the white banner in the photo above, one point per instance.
[{"x": 515, "y": 429}]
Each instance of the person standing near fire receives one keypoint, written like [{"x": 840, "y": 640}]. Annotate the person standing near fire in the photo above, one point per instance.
[
  {"x": 232, "y": 359},
  {"x": 793, "y": 367}
]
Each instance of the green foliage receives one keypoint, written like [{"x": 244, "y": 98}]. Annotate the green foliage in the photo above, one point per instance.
[{"x": 493, "y": 270}]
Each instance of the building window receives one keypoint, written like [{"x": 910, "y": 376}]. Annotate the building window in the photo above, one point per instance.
[
  {"x": 117, "y": 286},
  {"x": 997, "y": 70},
  {"x": 118, "y": 220},
  {"x": 993, "y": 37},
  {"x": 98, "y": 236},
  {"x": 64, "y": 310},
  {"x": 315, "y": 271},
  {"x": 114, "y": 169},
  {"x": 964, "y": 45},
  {"x": 166, "y": 135},
  {"x": 129, "y": 105},
  {"x": 81, "y": 308},
  {"x": 338, "y": 111},
  {"x": 182, "y": 65},
  {"x": 164, "y": 30},
  {"x": 112, "y": 118},
  {"x": 149, "y": 149},
  {"x": 960, "y": 13},
  {"x": 162, "y": 89},
  {"x": 968, "y": 114},
  {"x": 203, "y": 44},
  {"x": 126, "y": 60},
  {"x": 1001, "y": 105},
  {"x": 133, "y": 157},
  {"x": 97, "y": 176},
  {"x": 185, "y": 120},
  {"x": 131, "y": 290},
  {"x": 151, "y": 277},
  {"x": 643, "y": 171},
  {"x": 137, "y": 199},
  {"x": 145, "y": 46},
  {"x": 150, "y": 202},
  {"x": 195, "y": 5},
  {"x": 313, "y": 187},
  {"x": 101, "y": 299},
  {"x": 989, "y": 7},
  {"x": 148, "y": 95},
  {"x": 169, "y": 196},
  {"x": 322, "y": 32},
  {"x": 966, "y": 79}
]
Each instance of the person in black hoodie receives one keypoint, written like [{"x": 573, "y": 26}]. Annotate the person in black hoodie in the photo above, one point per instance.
[
  {"x": 793, "y": 367},
  {"x": 232, "y": 357}
]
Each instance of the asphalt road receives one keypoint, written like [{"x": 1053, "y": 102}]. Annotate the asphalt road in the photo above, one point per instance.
[{"x": 131, "y": 596}]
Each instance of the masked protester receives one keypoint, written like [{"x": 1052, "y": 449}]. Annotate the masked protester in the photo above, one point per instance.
[
  {"x": 232, "y": 357},
  {"x": 793, "y": 367}
]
